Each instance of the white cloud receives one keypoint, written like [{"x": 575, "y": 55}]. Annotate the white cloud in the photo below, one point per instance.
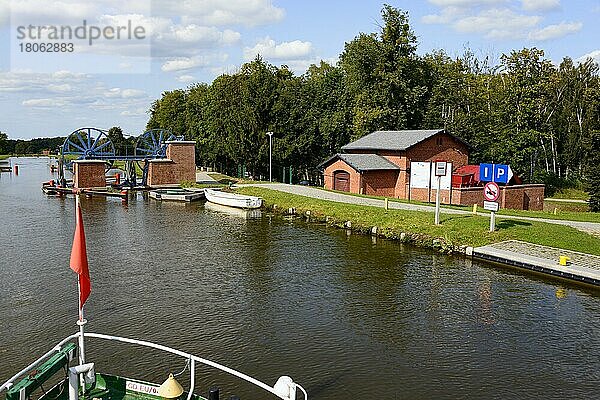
[
  {"x": 268, "y": 49},
  {"x": 48, "y": 102},
  {"x": 185, "y": 78},
  {"x": 447, "y": 15},
  {"x": 221, "y": 13},
  {"x": 466, "y": 3},
  {"x": 203, "y": 34},
  {"x": 186, "y": 63},
  {"x": 27, "y": 82},
  {"x": 497, "y": 24},
  {"x": 124, "y": 93},
  {"x": 555, "y": 31},
  {"x": 183, "y": 63},
  {"x": 541, "y": 5},
  {"x": 137, "y": 112},
  {"x": 60, "y": 88},
  {"x": 594, "y": 55},
  {"x": 501, "y": 19}
]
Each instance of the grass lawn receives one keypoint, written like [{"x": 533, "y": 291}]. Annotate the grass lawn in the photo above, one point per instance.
[
  {"x": 470, "y": 230},
  {"x": 567, "y": 212},
  {"x": 575, "y": 194},
  {"x": 226, "y": 178},
  {"x": 4, "y": 156}
]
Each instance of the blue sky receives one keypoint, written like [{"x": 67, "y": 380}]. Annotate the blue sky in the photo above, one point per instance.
[{"x": 114, "y": 82}]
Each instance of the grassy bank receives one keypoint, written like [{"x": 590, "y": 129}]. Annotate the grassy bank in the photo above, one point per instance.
[
  {"x": 455, "y": 231},
  {"x": 4, "y": 156},
  {"x": 565, "y": 212}
]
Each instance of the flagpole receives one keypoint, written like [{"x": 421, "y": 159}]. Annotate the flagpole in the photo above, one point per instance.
[{"x": 81, "y": 321}]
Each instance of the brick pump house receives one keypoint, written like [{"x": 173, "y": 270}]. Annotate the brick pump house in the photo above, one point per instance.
[{"x": 379, "y": 164}]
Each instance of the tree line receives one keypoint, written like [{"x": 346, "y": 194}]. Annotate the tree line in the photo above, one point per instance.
[
  {"x": 123, "y": 145},
  {"x": 32, "y": 146},
  {"x": 542, "y": 119}
]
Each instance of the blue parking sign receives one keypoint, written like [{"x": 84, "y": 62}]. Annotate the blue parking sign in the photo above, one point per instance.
[{"x": 499, "y": 173}]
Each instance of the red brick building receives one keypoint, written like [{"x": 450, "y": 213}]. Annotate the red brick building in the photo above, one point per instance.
[{"x": 379, "y": 163}]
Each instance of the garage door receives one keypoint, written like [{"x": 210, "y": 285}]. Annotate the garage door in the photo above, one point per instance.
[{"x": 341, "y": 181}]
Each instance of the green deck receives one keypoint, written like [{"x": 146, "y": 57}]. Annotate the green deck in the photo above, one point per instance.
[
  {"x": 106, "y": 387},
  {"x": 109, "y": 387}
]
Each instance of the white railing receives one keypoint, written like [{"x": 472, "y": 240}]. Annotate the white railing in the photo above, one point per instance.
[
  {"x": 193, "y": 359},
  {"x": 6, "y": 385}
]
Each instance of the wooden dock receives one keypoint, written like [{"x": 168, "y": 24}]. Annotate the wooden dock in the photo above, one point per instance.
[
  {"x": 56, "y": 190},
  {"x": 581, "y": 268},
  {"x": 177, "y": 194}
]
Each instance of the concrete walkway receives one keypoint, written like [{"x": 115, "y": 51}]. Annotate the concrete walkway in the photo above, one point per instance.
[
  {"x": 581, "y": 267},
  {"x": 566, "y": 200},
  {"x": 588, "y": 227},
  {"x": 203, "y": 177}
]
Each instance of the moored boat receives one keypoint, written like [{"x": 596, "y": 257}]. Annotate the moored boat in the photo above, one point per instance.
[
  {"x": 232, "y": 199},
  {"x": 64, "y": 373}
]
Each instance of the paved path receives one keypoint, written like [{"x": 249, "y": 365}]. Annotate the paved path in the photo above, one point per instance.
[
  {"x": 566, "y": 200},
  {"x": 588, "y": 227},
  {"x": 581, "y": 267},
  {"x": 203, "y": 177}
]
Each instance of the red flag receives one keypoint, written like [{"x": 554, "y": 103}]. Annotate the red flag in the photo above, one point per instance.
[{"x": 79, "y": 261}]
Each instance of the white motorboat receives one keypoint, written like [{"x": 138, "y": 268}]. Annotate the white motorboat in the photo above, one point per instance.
[{"x": 232, "y": 199}]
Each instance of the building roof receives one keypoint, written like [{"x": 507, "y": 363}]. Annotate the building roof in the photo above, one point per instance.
[
  {"x": 363, "y": 162},
  {"x": 393, "y": 140}
]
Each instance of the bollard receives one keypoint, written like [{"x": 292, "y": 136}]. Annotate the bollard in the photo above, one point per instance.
[
  {"x": 117, "y": 179},
  {"x": 213, "y": 393},
  {"x": 475, "y": 208},
  {"x": 386, "y": 204},
  {"x": 564, "y": 260},
  {"x": 555, "y": 210},
  {"x": 16, "y": 169}
]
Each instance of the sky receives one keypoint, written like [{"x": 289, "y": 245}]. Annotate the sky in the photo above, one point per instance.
[{"x": 113, "y": 81}]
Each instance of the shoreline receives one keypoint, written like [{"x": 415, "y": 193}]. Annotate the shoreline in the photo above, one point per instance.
[{"x": 454, "y": 236}]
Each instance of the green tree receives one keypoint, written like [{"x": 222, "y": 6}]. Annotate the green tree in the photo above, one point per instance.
[
  {"x": 386, "y": 78},
  {"x": 115, "y": 134},
  {"x": 3, "y": 143},
  {"x": 168, "y": 112},
  {"x": 592, "y": 171}
]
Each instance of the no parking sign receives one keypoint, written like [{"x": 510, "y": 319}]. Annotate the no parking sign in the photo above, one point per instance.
[{"x": 491, "y": 191}]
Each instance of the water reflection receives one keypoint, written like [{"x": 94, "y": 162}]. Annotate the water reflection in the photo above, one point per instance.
[{"x": 342, "y": 314}]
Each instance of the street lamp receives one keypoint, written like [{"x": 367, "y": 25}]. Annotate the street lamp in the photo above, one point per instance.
[{"x": 270, "y": 156}]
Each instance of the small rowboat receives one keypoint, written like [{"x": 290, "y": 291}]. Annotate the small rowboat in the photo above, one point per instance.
[{"x": 232, "y": 199}]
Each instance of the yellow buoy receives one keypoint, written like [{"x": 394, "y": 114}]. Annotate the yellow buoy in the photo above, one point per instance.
[{"x": 170, "y": 389}]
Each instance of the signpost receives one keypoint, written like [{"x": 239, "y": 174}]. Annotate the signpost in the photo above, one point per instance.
[
  {"x": 440, "y": 170},
  {"x": 491, "y": 191}
]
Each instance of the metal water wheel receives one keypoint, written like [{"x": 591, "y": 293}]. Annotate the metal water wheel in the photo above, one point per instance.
[
  {"x": 87, "y": 143},
  {"x": 152, "y": 143}
]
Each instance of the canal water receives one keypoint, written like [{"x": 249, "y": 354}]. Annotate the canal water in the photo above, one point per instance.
[{"x": 345, "y": 316}]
